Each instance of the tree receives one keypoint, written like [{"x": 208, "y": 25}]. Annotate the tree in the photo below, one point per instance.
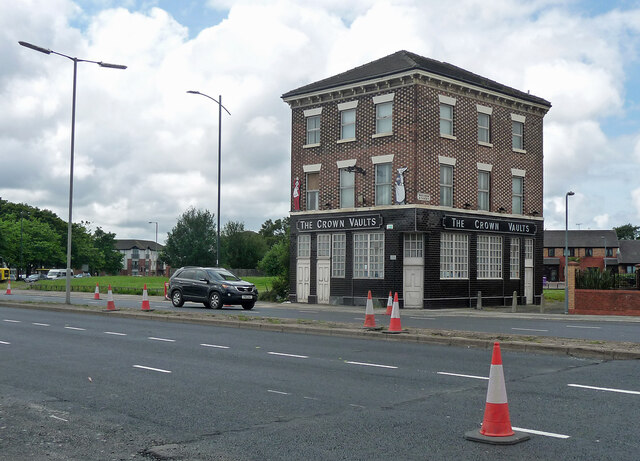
[
  {"x": 109, "y": 260},
  {"x": 241, "y": 249},
  {"x": 273, "y": 232},
  {"x": 627, "y": 232},
  {"x": 192, "y": 242}
]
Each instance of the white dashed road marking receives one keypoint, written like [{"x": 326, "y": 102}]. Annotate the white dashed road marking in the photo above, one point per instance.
[
  {"x": 4, "y": 342},
  {"x": 12, "y": 321},
  {"x": 216, "y": 346},
  {"x": 76, "y": 328},
  {"x": 61, "y": 419},
  {"x": 114, "y": 333},
  {"x": 370, "y": 364},
  {"x": 278, "y": 392},
  {"x": 527, "y": 329},
  {"x": 461, "y": 376},
  {"x": 160, "y": 370},
  {"x": 546, "y": 434},
  {"x": 580, "y": 326},
  {"x": 41, "y": 324},
  {"x": 608, "y": 389},
  {"x": 289, "y": 355},
  {"x": 162, "y": 339}
]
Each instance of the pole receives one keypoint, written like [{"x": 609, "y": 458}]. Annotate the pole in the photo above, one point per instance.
[
  {"x": 219, "y": 176},
  {"x": 566, "y": 251},
  {"x": 69, "y": 224}
]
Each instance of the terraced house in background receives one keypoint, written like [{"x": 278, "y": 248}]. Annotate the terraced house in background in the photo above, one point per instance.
[{"x": 415, "y": 176}]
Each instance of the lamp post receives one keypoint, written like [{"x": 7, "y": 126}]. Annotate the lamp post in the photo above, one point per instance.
[
  {"x": 220, "y": 107},
  {"x": 156, "y": 223},
  {"x": 566, "y": 251},
  {"x": 73, "y": 131},
  {"x": 604, "y": 260}
]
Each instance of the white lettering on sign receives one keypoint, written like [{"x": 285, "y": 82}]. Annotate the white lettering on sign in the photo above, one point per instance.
[
  {"x": 486, "y": 225},
  {"x": 518, "y": 227}
]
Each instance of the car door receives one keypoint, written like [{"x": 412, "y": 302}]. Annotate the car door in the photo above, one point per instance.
[
  {"x": 200, "y": 285},
  {"x": 186, "y": 283}
]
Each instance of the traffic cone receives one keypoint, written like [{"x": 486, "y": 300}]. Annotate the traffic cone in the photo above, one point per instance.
[
  {"x": 369, "y": 317},
  {"x": 111, "y": 306},
  {"x": 145, "y": 299},
  {"x": 389, "y": 305},
  {"x": 96, "y": 294},
  {"x": 394, "y": 322},
  {"x": 8, "y": 287},
  {"x": 496, "y": 425}
]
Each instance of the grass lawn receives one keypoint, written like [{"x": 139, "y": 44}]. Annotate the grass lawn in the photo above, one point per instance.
[
  {"x": 554, "y": 295},
  {"x": 122, "y": 284}
]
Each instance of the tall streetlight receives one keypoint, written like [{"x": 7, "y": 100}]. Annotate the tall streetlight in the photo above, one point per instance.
[
  {"x": 220, "y": 107},
  {"x": 566, "y": 251},
  {"x": 73, "y": 132},
  {"x": 156, "y": 223}
]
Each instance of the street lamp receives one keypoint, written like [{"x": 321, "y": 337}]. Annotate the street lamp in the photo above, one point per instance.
[
  {"x": 220, "y": 107},
  {"x": 604, "y": 260},
  {"x": 73, "y": 131},
  {"x": 566, "y": 251},
  {"x": 156, "y": 223}
]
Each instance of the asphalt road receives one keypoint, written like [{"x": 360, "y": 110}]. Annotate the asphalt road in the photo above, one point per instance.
[
  {"x": 502, "y": 321},
  {"x": 79, "y": 387}
]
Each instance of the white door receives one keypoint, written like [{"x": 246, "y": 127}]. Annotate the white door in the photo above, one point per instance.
[
  {"x": 323, "y": 276},
  {"x": 303, "y": 280},
  {"x": 413, "y": 271},
  {"x": 528, "y": 270}
]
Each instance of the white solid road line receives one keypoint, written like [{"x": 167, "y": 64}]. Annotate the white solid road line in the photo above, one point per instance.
[
  {"x": 580, "y": 326},
  {"x": 289, "y": 355},
  {"x": 527, "y": 329},
  {"x": 462, "y": 376},
  {"x": 608, "y": 389},
  {"x": 546, "y": 434},
  {"x": 76, "y": 328},
  {"x": 61, "y": 419},
  {"x": 4, "y": 342},
  {"x": 41, "y": 324},
  {"x": 370, "y": 364},
  {"x": 278, "y": 392},
  {"x": 114, "y": 333},
  {"x": 152, "y": 369},
  {"x": 162, "y": 339},
  {"x": 214, "y": 345},
  {"x": 12, "y": 321}
]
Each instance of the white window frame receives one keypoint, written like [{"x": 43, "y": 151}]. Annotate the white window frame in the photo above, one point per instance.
[
  {"x": 315, "y": 193},
  {"x": 413, "y": 246},
  {"x": 489, "y": 254},
  {"x": 344, "y": 189},
  {"x": 517, "y": 197},
  {"x": 447, "y": 122},
  {"x": 454, "y": 256},
  {"x": 312, "y": 133},
  {"x": 484, "y": 129},
  {"x": 368, "y": 255},
  {"x": 304, "y": 246},
  {"x": 517, "y": 138},
  {"x": 380, "y": 102},
  {"x": 344, "y": 125},
  {"x": 444, "y": 186},
  {"x": 514, "y": 258},
  {"x": 484, "y": 192},
  {"x": 528, "y": 250},
  {"x": 338, "y": 255},
  {"x": 323, "y": 246},
  {"x": 383, "y": 185}
]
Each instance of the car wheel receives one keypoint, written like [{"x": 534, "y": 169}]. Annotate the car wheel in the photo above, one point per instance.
[
  {"x": 176, "y": 298},
  {"x": 248, "y": 306},
  {"x": 214, "y": 300}
]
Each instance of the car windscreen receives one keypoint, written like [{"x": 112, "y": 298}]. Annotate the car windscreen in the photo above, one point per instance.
[{"x": 223, "y": 275}]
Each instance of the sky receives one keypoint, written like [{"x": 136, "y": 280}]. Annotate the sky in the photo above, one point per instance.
[{"x": 146, "y": 151}]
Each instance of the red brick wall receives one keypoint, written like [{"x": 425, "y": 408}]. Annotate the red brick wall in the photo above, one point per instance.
[{"x": 606, "y": 302}]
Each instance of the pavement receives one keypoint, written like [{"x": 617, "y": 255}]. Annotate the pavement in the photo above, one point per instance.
[{"x": 603, "y": 350}]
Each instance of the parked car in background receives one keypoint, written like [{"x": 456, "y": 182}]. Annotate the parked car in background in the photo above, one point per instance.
[
  {"x": 56, "y": 274},
  {"x": 35, "y": 277},
  {"x": 212, "y": 286}
]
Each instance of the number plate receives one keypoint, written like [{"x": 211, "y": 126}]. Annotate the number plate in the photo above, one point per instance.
[{"x": 247, "y": 297}]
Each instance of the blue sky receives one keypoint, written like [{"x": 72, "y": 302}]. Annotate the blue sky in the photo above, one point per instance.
[{"x": 146, "y": 151}]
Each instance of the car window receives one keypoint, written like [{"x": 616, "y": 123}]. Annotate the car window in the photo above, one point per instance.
[
  {"x": 226, "y": 275},
  {"x": 188, "y": 274},
  {"x": 200, "y": 275}
]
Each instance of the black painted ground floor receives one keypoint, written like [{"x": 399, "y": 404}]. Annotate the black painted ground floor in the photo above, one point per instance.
[{"x": 433, "y": 258}]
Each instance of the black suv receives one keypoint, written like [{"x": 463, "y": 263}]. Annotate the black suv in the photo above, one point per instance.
[{"x": 212, "y": 286}]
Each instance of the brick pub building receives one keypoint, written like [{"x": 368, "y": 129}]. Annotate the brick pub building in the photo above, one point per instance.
[{"x": 418, "y": 177}]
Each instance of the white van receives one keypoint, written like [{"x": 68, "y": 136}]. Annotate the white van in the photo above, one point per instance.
[{"x": 56, "y": 274}]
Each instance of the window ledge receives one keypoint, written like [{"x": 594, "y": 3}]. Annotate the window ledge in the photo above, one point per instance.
[
  {"x": 485, "y": 144},
  {"x": 307, "y": 146},
  {"x": 381, "y": 135},
  {"x": 519, "y": 151},
  {"x": 448, "y": 136},
  {"x": 340, "y": 141}
]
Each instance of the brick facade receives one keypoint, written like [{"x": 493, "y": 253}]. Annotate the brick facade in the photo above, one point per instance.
[{"x": 416, "y": 144}]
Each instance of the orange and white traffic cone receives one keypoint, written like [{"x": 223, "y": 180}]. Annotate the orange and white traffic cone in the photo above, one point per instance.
[
  {"x": 8, "y": 287},
  {"x": 369, "y": 316},
  {"x": 496, "y": 425},
  {"x": 389, "y": 305},
  {"x": 111, "y": 306},
  {"x": 96, "y": 294},
  {"x": 145, "y": 299},
  {"x": 394, "y": 322}
]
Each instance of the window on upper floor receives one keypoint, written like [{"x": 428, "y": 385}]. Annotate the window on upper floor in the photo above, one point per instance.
[
  {"x": 313, "y": 130},
  {"x": 484, "y": 121},
  {"x": 313, "y": 186},
  {"x": 347, "y": 188},
  {"x": 551, "y": 252},
  {"x": 446, "y": 185},
  {"x": 446, "y": 119},
  {"x": 384, "y": 117},
  {"x": 347, "y": 124},
  {"x": 484, "y": 182},
  {"x": 588, "y": 251},
  {"x": 517, "y": 195},
  {"x": 383, "y": 184},
  {"x": 572, "y": 252},
  {"x": 517, "y": 134},
  {"x": 609, "y": 253}
]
